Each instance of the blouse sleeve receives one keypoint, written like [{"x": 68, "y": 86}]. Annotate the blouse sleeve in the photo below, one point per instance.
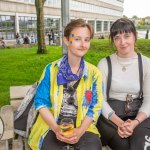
[
  {"x": 146, "y": 87},
  {"x": 42, "y": 97}
]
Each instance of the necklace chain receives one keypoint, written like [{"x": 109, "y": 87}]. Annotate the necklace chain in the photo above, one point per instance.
[{"x": 124, "y": 66}]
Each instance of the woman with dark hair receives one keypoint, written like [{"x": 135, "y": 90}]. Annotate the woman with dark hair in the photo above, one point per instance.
[
  {"x": 69, "y": 88},
  {"x": 125, "y": 123}
]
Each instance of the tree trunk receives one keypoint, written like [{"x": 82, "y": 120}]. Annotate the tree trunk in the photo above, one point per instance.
[{"x": 39, "y": 4}]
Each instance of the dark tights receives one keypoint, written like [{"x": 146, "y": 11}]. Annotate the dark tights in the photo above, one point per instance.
[{"x": 89, "y": 141}]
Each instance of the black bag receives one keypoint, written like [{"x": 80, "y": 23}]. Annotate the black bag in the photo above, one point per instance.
[
  {"x": 26, "y": 115},
  {"x": 131, "y": 106}
]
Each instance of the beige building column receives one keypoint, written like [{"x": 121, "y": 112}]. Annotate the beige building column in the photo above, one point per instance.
[
  {"x": 108, "y": 25},
  {"x": 102, "y": 30},
  {"x": 17, "y": 23},
  {"x": 95, "y": 26}
]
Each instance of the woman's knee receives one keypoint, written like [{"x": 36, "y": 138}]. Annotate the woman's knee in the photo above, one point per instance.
[
  {"x": 140, "y": 139},
  {"x": 90, "y": 141},
  {"x": 118, "y": 143}
]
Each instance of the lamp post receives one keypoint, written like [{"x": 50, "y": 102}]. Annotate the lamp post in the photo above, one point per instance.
[{"x": 64, "y": 20}]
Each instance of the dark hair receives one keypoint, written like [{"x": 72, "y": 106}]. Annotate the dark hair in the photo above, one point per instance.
[
  {"x": 77, "y": 23},
  {"x": 120, "y": 26}
]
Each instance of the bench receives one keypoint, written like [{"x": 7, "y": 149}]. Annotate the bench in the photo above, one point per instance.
[{"x": 8, "y": 140}]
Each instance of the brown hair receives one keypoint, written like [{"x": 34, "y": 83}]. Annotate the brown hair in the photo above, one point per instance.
[{"x": 77, "y": 23}]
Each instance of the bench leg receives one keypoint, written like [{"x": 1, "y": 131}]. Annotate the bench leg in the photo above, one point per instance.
[
  {"x": 4, "y": 145},
  {"x": 17, "y": 144},
  {"x": 27, "y": 147},
  {"x": 6, "y": 113}
]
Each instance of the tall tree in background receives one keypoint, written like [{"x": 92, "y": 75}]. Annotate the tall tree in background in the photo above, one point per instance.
[
  {"x": 134, "y": 17},
  {"x": 39, "y": 4}
]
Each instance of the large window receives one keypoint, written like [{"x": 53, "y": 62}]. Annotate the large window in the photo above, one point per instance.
[
  {"x": 52, "y": 23},
  {"x": 7, "y": 27},
  {"x": 53, "y": 3},
  {"x": 27, "y": 25},
  {"x": 105, "y": 25},
  {"x": 92, "y": 23},
  {"x": 26, "y": 1},
  {"x": 98, "y": 26},
  {"x": 111, "y": 22},
  {"x": 84, "y": 7}
]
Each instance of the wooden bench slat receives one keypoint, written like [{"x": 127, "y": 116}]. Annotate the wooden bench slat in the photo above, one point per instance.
[
  {"x": 17, "y": 144},
  {"x": 15, "y": 103},
  {"x": 4, "y": 145},
  {"x": 18, "y": 92}
]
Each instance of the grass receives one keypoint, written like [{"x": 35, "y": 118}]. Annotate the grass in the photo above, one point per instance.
[{"x": 22, "y": 66}]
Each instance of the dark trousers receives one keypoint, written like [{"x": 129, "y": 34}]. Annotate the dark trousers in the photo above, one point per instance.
[
  {"x": 89, "y": 141},
  {"x": 140, "y": 139}
]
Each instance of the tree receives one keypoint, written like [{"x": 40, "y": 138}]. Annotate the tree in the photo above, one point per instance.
[
  {"x": 39, "y": 4},
  {"x": 134, "y": 17},
  {"x": 142, "y": 21},
  {"x": 125, "y": 17}
]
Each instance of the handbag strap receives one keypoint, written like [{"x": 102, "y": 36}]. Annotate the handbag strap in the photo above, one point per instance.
[
  {"x": 109, "y": 75},
  {"x": 140, "y": 74},
  {"x": 109, "y": 78}
]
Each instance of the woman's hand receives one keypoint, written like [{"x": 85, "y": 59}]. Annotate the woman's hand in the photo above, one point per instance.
[
  {"x": 71, "y": 139},
  {"x": 59, "y": 134},
  {"x": 74, "y": 137},
  {"x": 124, "y": 129}
]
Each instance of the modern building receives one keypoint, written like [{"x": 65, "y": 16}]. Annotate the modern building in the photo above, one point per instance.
[{"x": 20, "y": 15}]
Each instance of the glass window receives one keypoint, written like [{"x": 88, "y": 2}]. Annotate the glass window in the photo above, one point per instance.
[
  {"x": 3, "y": 18},
  {"x": 84, "y": 7},
  {"x": 26, "y": 1},
  {"x": 53, "y": 3},
  {"x": 32, "y": 1},
  {"x": 111, "y": 22},
  {"x": 105, "y": 25},
  {"x": 7, "y": 27},
  {"x": 91, "y": 22},
  {"x": 52, "y": 23},
  {"x": 98, "y": 26},
  {"x": 27, "y": 25}
]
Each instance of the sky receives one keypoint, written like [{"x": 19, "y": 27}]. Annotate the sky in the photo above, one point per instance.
[{"x": 140, "y": 8}]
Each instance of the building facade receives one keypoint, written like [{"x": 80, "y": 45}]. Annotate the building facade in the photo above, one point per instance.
[{"x": 20, "y": 15}]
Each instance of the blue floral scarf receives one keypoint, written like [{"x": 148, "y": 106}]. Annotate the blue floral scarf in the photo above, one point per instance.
[{"x": 65, "y": 74}]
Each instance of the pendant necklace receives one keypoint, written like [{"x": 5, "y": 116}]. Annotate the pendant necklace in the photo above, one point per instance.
[{"x": 123, "y": 66}]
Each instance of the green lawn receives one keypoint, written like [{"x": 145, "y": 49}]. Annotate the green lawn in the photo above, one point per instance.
[{"x": 22, "y": 66}]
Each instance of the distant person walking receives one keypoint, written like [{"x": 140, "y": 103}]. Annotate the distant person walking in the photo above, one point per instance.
[
  {"x": 2, "y": 43},
  {"x": 146, "y": 36},
  {"x": 49, "y": 37},
  {"x": 53, "y": 36},
  {"x": 18, "y": 38}
]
